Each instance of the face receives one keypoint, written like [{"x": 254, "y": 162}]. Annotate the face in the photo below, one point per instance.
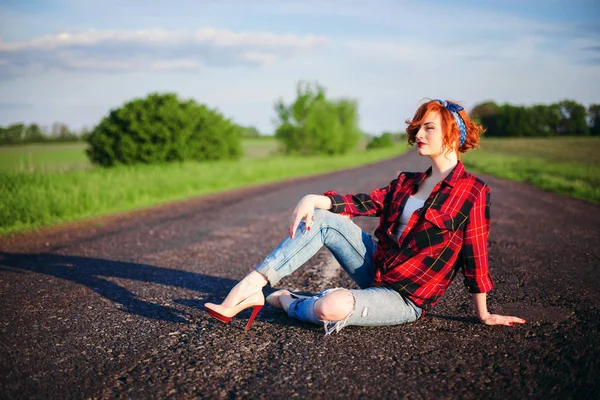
[{"x": 429, "y": 137}]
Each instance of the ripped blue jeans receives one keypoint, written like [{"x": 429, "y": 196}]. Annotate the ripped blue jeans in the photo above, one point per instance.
[{"x": 353, "y": 249}]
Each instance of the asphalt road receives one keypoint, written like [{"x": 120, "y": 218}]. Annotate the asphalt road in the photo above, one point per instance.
[{"x": 113, "y": 308}]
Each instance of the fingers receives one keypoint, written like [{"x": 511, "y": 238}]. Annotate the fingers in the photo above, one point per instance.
[
  {"x": 291, "y": 225},
  {"x": 297, "y": 220},
  {"x": 515, "y": 320},
  {"x": 309, "y": 219},
  {"x": 494, "y": 319},
  {"x": 508, "y": 320}
]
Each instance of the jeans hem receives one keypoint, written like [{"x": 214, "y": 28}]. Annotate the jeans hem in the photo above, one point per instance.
[{"x": 270, "y": 274}]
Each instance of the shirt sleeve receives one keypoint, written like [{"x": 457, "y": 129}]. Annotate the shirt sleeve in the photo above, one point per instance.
[
  {"x": 474, "y": 250},
  {"x": 372, "y": 204}
]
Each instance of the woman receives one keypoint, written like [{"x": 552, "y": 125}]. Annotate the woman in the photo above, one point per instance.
[{"x": 432, "y": 225}]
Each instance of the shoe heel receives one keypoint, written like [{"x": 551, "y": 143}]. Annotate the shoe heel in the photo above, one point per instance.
[{"x": 255, "y": 311}]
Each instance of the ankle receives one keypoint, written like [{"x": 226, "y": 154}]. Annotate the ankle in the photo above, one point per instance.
[
  {"x": 285, "y": 300},
  {"x": 245, "y": 288},
  {"x": 255, "y": 278}
]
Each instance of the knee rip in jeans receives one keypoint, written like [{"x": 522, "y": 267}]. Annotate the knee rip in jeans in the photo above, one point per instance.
[{"x": 334, "y": 309}]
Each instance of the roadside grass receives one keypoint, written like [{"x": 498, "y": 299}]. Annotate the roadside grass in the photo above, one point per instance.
[
  {"x": 568, "y": 165},
  {"x": 35, "y": 199}
]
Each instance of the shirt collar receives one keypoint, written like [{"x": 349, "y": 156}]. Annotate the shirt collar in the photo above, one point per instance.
[{"x": 450, "y": 180}]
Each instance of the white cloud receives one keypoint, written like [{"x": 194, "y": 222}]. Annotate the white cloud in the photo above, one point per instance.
[{"x": 148, "y": 49}]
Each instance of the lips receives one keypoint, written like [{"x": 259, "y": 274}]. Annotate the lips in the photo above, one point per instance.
[{"x": 420, "y": 144}]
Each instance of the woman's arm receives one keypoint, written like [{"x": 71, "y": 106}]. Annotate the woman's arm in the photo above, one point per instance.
[
  {"x": 350, "y": 204},
  {"x": 475, "y": 257},
  {"x": 480, "y": 303}
]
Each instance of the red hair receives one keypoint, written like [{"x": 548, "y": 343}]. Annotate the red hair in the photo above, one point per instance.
[{"x": 450, "y": 131}]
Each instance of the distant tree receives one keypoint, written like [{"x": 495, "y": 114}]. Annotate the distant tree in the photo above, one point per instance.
[
  {"x": 313, "y": 124},
  {"x": 485, "y": 109},
  {"x": 379, "y": 142},
  {"x": 161, "y": 128},
  {"x": 62, "y": 133},
  {"x": 594, "y": 119},
  {"x": 488, "y": 114},
  {"x": 249, "y": 132},
  {"x": 12, "y": 134},
  {"x": 33, "y": 134},
  {"x": 564, "y": 118},
  {"x": 544, "y": 119},
  {"x": 398, "y": 137},
  {"x": 573, "y": 119},
  {"x": 84, "y": 134}
]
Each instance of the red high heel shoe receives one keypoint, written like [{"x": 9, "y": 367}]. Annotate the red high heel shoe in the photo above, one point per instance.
[{"x": 225, "y": 314}]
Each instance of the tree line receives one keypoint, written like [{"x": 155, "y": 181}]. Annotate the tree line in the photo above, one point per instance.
[
  {"x": 19, "y": 134},
  {"x": 162, "y": 128},
  {"x": 565, "y": 118},
  {"x": 33, "y": 133}
]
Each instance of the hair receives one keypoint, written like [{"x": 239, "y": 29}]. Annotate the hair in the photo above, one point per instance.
[{"x": 450, "y": 131}]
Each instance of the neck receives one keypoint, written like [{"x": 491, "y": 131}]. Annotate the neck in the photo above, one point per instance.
[{"x": 442, "y": 164}]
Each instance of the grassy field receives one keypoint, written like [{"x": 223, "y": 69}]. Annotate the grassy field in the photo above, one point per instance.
[
  {"x": 71, "y": 156},
  {"x": 567, "y": 165},
  {"x": 43, "y": 185},
  {"x": 44, "y": 157},
  {"x": 45, "y": 194}
]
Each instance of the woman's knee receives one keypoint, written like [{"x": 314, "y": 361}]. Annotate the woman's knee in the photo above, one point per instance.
[
  {"x": 335, "y": 306},
  {"x": 320, "y": 214}
]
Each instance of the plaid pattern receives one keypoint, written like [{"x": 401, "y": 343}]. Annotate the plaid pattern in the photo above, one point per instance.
[{"x": 448, "y": 234}]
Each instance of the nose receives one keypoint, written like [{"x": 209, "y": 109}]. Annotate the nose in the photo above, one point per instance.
[{"x": 419, "y": 134}]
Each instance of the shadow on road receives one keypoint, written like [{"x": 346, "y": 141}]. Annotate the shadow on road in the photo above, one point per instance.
[
  {"x": 95, "y": 274},
  {"x": 469, "y": 320},
  {"x": 92, "y": 272}
]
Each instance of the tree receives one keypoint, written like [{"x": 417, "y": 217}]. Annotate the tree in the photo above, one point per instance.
[
  {"x": 161, "y": 128},
  {"x": 485, "y": 109},
  {"x": 594, "y": 119},
  {"x": 544, "y": 119},
  {"x": 573, "y": 119},
  {"x": 249, "y": 132},
  {"x": 12, "y": 134},
  {"x": 565, "y": 118},
  {"x": 488, "y": 114},
  {"x": 33, "y": 134},
  {"x": 312, "y": 124},
  {"x": 378, "y": 142}
]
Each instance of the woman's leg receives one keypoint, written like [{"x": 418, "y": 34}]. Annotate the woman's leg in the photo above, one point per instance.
[
  {"x": 351, "y": 247},
  {"x": 336, "y": 308}
]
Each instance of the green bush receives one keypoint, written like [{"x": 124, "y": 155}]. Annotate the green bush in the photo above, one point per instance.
[
  {"x": 315, "y": 125},
  {"x": 160, "y": 129},
  {"x": 379, "y": 142}
]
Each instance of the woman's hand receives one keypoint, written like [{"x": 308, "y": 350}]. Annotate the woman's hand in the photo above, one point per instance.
[
  {"x": 495, "y": 319},
  {"x": 303, "y": 211},
  {"x": 480, "y": 302}
]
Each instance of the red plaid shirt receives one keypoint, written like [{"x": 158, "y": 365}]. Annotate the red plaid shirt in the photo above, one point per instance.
[{"x": 448, "y": 234}]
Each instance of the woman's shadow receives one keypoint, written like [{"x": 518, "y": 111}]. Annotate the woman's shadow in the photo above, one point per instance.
[{"x": 92, "y": 272}]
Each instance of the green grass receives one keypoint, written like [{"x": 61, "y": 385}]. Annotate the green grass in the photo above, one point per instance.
[
  {"x": 45, "y": 197},
  {"x": 44, "y": 185},
  {"x": 71, "y": 156},
  {"x": 566, "y": 165},
  {"x": 44, "y": 157}
]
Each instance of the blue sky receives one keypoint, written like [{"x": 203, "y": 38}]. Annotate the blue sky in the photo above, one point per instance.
[{"x": 72, "y": 61}]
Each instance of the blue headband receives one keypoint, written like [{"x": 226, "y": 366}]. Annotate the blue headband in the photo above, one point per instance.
[{"x": 454, "y": 109}]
